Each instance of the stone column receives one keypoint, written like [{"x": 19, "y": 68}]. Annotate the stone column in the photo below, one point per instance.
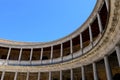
[
  {"x": 20, "y": 55},
  {"x": 15, "y": 77},
  {"x": 81, "y": 42},
  {"x": 117, "y": 48},
  {"x": 3, "y": 74},
  {"x": 41, "y": 55},
  {"x": 60, "y": 74},
  {"x": 50, "y": 75},
  {"x": 107, "y": 5},
  {"x": 91, "y": 37},
  {"x": 8, "y": 55},
  {"x": 71, "y": 71},
  {"x": 95, "y": 71},
  {"x": 99, "y": 23},
  {"x": 38, "y": 75},
  {"x": 61, "y": 52},
  {"x": 107, "y": 68},
  {"x": 27, "y": 78},
  {"x": 83, "y": 72},
  {"x": 51, "y": 56},
  {"x": 31, "y": 53},
  {"x": 71, "y": 48}
]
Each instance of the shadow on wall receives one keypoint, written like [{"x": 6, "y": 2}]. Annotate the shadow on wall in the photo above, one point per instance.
[{"x": 116, "y": 76}]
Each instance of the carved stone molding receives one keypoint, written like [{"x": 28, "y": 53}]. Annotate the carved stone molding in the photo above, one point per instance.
[{"x": 116, "y": 15}]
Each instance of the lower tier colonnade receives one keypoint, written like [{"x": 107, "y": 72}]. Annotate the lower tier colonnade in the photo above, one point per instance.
[{"x": 107, "y": 68}]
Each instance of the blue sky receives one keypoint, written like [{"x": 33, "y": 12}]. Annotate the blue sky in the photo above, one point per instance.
[{"x": 42, "y": 20}]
